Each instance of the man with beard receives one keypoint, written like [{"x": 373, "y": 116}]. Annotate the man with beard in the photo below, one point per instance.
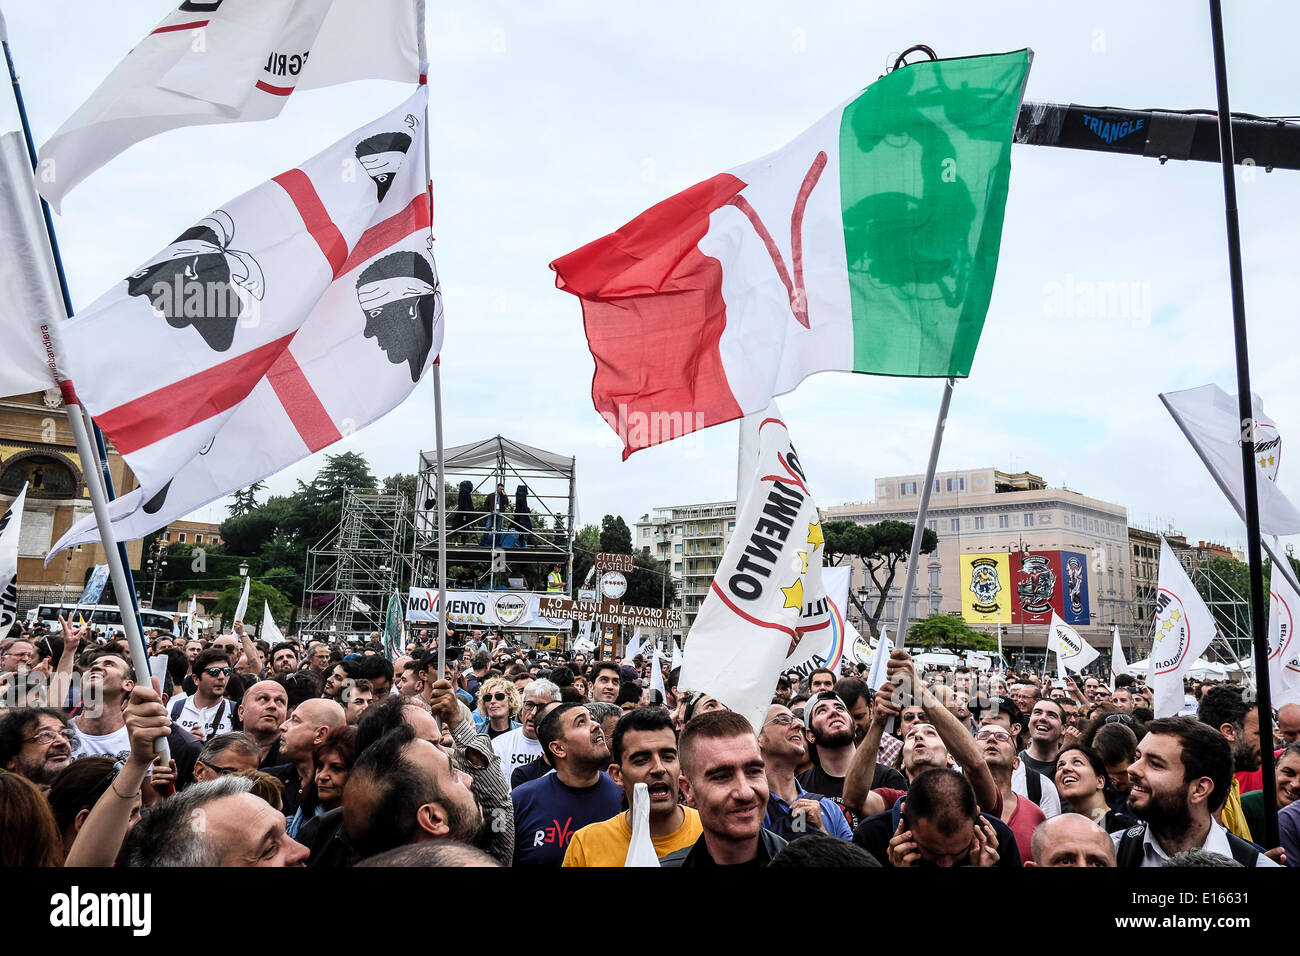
[
  {"x": 101, "y": 726},
  {"x": 284, "y": 658},
  {"x": 404, "y": 790},
  {"x": 829, "y": 732},
  {"x": 1181, "y": 777},
  {"x": 549, "y": 810},
  {"x": 792, "y": 811},
  {"x": 337, "y": 677},
  {"x": 206, "y": 713},
  {"x": 400, "y": 297},
  {"x": 262, "y": 711},
  {"x": 644, "y": 751},
  {"x": 35, "y": 742},
  {"x": 1224, "y": 709}
]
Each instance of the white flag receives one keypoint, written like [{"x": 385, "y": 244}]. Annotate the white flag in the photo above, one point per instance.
[
  {"x": 229, "y": 62},
  {"x": 1184, "y": 629},
  {"x": 1208, "y": 417},
  {"x": 879, "y": 673},
  {"x": 1072, "y": 651},
  {"x": 677, "y": 657},
  {"x": 307, "y": 285},
  {"x": 192, "y": 625},
  {"x": 657, "y": 676},
  {"x": 270, "y": 632},
  {"x": 241, "y": 609},
  {"x": 767, "y": 596},
  {"x": 10, "y": 528},
  {"x": 1118, "y": 665},
  {"x": 634, "y": 648},
  {"x": 1283, "y": 647},
  {"x": 30, "y": 302},
  {"x": 641, "y": 848}
]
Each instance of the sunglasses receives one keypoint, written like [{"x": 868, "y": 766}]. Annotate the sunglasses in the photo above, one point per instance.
[
  {"x": 218, "y": 671},
  {"x": 497, "y": 696},
  {"x": 1118, "y": 719}
]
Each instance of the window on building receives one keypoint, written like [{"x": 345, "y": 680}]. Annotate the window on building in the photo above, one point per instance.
[
  {"x": 891, "y": 610},
  {"x": 934, "y": 604},
  {"x": 907, "y": 487},
  {"x": 933, "y": 525},
  {"x": 1029, "y": 521},
  {"x": 181, "y": 537},
  {"x": 198, "y": 539},
  {"x": 1004, "y": 521},
  {"x": 937, "y": 482},
  {"x": 167, "y": 535},
  {"x": 934, "y": 580},
  {"x": 677, "y": 548},
  {"x": 956, "y": 484},
  {"x": 956, "y": 524},
  {"x": 677, "y": 530},
  {"x": 677, "y": 565},
  {"x": 731, "y": 526},
  {"x": 716, "y": 527},
  {"x": 979, "y": 524}
]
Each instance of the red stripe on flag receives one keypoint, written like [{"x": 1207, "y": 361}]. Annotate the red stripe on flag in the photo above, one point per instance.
[
  {"x": 382, "y": 235},
  {"x": 194, "y": 25},
  {"x": 301, "y": 403},
  {"x": 653, "y": 312},
  {"x": 300, "y": 189},
  {"x": 173, "y": 408},
  {"x": 266, "y": 87},
  {"x": 749, "y": 617}
]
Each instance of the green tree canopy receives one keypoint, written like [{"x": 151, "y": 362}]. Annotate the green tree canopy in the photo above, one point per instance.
[
  {"x": 615, "y": 536},
  {"x": 881, "y": 548},
  {"x": 950, "y": 632}
]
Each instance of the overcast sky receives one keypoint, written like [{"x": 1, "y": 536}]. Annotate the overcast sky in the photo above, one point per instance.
[{"x": 554, "y": 123}]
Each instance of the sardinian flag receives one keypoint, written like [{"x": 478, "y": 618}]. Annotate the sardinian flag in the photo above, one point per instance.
[
  {"x": 10, "y": 526},
  {"x": 294, "y": 315},
  {"x": 767, "y": 594},
  {"x": 230, "y": 61}
]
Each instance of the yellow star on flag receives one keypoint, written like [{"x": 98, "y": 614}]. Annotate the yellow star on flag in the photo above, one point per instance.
[
  {"x": 794, "y": 594},
  {"x": 1176, "y": 614},
  {"x": 1270, "y": 459},
  {"x": 815, "y": 534},
  {"x": 803, "y": 556}
]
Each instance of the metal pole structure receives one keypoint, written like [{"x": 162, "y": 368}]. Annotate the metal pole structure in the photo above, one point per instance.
[
  {"x": 1258, "y": 618},
  {"x": 442, "y": 521}
]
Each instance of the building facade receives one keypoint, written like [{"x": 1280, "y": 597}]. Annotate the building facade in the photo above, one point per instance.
[
  {"x": 690, "y": 539},
  {"x": 191, "y": 532}
]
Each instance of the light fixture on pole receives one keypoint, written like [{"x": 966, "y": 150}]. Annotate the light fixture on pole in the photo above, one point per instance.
[{"x": 243, "y": 569}]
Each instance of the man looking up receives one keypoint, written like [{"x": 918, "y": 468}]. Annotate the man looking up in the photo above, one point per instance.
[
  {"x": 644, "y": 751},
  {"x": 792, "y": 811},
  {"x": 1046, "y": 725},
  {"x": 101, "y": 726},
  {"x": 262, "y": 712},
  {"x": 520, "y": 746},
  {"x": 605, "y": 681},
  {"x": 829, "y": 731},
  {"x": 549, "y": 810}
]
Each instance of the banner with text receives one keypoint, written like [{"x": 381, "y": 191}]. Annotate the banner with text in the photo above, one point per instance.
[{"x": 481, "y": 609}]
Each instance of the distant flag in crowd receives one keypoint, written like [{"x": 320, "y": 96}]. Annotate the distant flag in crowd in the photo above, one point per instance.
[
  {"x": 1118, "y": 665},
  {"x": 30, "y": 301},
  {"x": 1283, "y": 647},
  {"x": 1209, "y": 419},
  {"x": 767, "y": 594},
  {"x": 394, "y": 642},
  {"x": 229, "y": 62},
  {"x": 657, "y": 676},
  {"x": 868, "y": 244},
  {"x": 1072, "y": 651},
  {"x": 1184, "y": 629},
  {"x": 677, "y": 657},
  {"x": 10, "y": 528},
  {"x": 241, "y": 608},
  {"x": 94, "y": 586},
  {"x": 634, "y": 646},
  {"x": 879, "y": 673},
  {"x": 236, "y": 350},
  {"x": 192, "y": 624},
  {"x": 270, "y": 631}
]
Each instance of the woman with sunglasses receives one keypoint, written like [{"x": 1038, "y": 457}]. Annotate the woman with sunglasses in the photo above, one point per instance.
[
  {"x": 1083, "y": 783},
  {"x": 498, "y": 704}
]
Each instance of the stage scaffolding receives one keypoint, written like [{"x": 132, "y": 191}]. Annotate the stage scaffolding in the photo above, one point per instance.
[
  {"x": 514, "y": 550},
  {"x": 353, "y": 571}
]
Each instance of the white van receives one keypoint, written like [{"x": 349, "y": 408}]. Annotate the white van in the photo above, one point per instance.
[{"x": 107, "y": 617}]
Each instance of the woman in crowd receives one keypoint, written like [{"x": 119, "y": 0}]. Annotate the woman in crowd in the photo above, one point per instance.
[
  {"x": 31, "y": 837},
  {"x": 498, "y": 704},
  {"x": 1288, "y": 791},
  {"x": 76, "y": 789},
  {"x": 1083, "y": 783},
  {"x": 333, "y": 761}
]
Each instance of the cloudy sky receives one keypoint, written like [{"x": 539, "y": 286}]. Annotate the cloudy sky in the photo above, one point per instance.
[{"x": 554, "y": 122}]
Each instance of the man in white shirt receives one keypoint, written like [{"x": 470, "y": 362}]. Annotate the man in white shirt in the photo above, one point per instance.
[
  {"x": 206, "y": 713},
  {"x": 1182, "y": 775},
  {"x": 101, "y": 726},
  {"x": 520, "y": 746}
]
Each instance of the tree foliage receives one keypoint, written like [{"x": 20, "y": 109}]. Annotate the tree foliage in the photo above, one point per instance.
[
  {"x": 881, "y": 548},
  {"x": 949, "y": 632},
  {"x": 585, "y": 545},
  {"x": 615, "y": 536}
]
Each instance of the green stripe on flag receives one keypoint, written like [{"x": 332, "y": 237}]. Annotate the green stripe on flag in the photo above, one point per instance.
[{"x": 925, "y": 156}]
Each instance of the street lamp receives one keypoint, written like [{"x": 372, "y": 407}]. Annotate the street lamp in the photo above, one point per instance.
[
  {"x": 157, "y": 561},
  {"x": 243, "y": 569}
]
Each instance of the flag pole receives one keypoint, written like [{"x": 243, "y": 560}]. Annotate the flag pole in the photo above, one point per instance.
[
  {"x": 93, "y": 457},
  {"x": 1258, "y": 621}
]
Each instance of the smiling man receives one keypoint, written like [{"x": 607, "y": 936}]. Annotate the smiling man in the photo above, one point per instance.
[
  {"x": 792, "y": 811},
  {"x": 101, "y": 726},
  {"x": 644, "y": 751},
  {"x": 35, "y": 742}
]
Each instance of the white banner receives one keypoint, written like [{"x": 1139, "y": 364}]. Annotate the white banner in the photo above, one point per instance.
[
  {"x": 840, "y": 637},
  {"x": 1184, "y": 629},
  {"x": 1072, "y": 651},
  {"x": 10, "y": 528},
  {"x": 1283, "y": 647},
  {"x": 481, "y": 609}
]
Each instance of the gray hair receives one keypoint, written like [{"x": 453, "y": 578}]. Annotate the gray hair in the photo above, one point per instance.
[
  {"x": 167, "y": 836},
  {"x": 238, "y": 741},
  {"x": 542, "y": 686},
  {"x": 602, "y": 710},
  {"x": 1199, "y": 858}
]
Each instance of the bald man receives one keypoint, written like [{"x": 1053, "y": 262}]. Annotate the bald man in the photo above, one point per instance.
[
  {"x": 305, "y": 729},
  {"x": 1071, "y": 839},
  {"x": 1288, "y": 724}
]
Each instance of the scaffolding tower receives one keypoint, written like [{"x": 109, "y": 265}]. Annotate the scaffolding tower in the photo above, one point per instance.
[
  {"x": 354, "y": 570},
  {"x": 496, "y": 551}
]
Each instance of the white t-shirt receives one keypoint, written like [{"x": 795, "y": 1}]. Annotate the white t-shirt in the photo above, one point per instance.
[
  {"x": 191, "y": 716},
  {"x": 116, "y": 745},
  {"x": 515, "y": 750},
  {"x": 1050, "y": 800}
]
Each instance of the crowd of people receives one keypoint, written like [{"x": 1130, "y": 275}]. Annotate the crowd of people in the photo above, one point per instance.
[{"x": 327, "y": 755}]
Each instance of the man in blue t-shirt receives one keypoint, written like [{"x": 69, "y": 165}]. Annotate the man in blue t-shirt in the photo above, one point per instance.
[{"x": 549, "y": 810}]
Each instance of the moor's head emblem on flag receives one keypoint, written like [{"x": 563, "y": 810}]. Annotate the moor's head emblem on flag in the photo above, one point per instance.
[
  {"x": 381, "y": 156},
  {"x": 200, "y": 281},
  {"x": 400, "y": 295}
]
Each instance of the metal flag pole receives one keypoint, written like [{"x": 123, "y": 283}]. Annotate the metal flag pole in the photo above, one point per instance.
[
  {"x": 1258, "y": 620},
  {"x": 94, "y": 457}
]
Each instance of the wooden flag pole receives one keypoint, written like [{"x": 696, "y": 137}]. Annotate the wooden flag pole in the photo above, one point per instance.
[{"x": 1258, "y": 606}]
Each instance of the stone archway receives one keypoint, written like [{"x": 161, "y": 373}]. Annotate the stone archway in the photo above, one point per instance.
[{"x": 47, "y": 473}]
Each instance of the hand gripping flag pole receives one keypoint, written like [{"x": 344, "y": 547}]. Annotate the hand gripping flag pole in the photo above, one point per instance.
[
  {"x": 1258, "y": 605},
  {"x": 94, "y": 457}
]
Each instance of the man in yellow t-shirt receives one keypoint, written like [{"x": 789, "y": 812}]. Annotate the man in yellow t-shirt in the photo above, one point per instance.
[{"x": 644, "y": 750}]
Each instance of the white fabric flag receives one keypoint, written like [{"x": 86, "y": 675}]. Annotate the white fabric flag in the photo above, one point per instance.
[
  {"x": 677, "y": 657},
  {"x": 1208, "y": 417},
  {"x": 1283, "y": 647},
  {"x": 641, "y": 848},
  {"x": 241, "y": 609},
  {"x": 10, "y": 528},
  {"x": 1118, "y": 665},
  {"x": 657, "y": 676},
  {"x": 767, "y": 596},
  {"x": 1184, "y": 629},
  {"x": 879, "y": 672},
  {"x": 192, "y": 625},
  {"x": 1072, "y": 651},
  {"x": 269, "y": 632},
  {"x": 307, "y": 285},
  {"x": 30, "y": 302},
  {"x": 634, "y": 647},
  {"x": 229, "y": 62}
]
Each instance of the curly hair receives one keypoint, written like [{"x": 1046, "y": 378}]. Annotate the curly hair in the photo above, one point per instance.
[{"x": 494, "y": 684}]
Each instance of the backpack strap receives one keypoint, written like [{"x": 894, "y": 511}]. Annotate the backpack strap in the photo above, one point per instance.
[
  {"x": 1034, "y": 785},
  {"x": 1128, "y": 854},
  {"x": 177, "y": 706},
  {"x": 216, "y": 721}
]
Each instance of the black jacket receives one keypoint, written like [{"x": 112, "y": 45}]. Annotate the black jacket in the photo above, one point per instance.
[{"x": 769, "y": 845}]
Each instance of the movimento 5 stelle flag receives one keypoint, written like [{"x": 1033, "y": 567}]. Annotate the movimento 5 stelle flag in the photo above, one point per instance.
[{"x": 868, "y": 244}]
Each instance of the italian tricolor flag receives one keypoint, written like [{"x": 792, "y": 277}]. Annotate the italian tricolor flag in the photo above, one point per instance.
[{"x": 868, "y": 244}]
